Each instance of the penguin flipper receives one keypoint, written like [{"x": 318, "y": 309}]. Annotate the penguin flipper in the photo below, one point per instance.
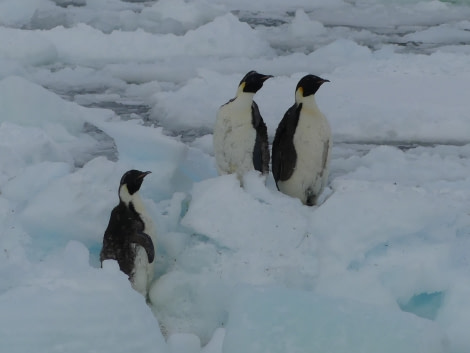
[
  {"x": 261, "y": 148},
  {"x": 146, "y": 242},
  {"x": 284, "y": 156},
  {"x": 106, "y": 253}
]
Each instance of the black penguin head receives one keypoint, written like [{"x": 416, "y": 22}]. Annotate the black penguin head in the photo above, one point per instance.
[
  {"x": 309, "y": 85},
  {"x": 252, "y": 82},
  {"x": 133, "y": 180}
]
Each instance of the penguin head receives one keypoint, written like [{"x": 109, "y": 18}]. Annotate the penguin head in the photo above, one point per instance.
[
  {"x": 252, "y": 82},
  {"x": 132, "y": 180},
  {"x": 309, "y": 85}
]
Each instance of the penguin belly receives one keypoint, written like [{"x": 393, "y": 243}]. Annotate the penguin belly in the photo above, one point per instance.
[
  {"x": 143, "y": 272},
  {"x": 312, "y": 142},
  {"x": 234, "y": 141}
]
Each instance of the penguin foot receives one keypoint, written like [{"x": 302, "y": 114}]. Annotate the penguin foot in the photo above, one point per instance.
[{"x": 311, "y": 199}]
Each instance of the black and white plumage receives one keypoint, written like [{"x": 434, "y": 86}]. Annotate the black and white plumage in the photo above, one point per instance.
[
  {"x": 130, "y": 238},
  {"x": 240, "y": 134},
  {"x": 302, "y": 144}
]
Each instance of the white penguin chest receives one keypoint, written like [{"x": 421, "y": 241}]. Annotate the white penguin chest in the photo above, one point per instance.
[
  {"x": 142, "y": 211},
  {"x": 143, "y": 270},
  {"x": 140, "y": 208},
  {"x": 312, "y": 142},
  {"x": 142, "y": 273},
  {"x": 234, "y": 139}
]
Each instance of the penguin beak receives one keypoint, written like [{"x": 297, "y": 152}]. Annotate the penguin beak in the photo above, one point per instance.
[
  {"x": 324, "y": 80},
  {"x": 141, "y": 176},
  {"x": 265, "y": 77}
]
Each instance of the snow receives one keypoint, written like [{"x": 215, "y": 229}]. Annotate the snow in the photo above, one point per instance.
[
  {"x": 66, "y": 298},
  {"x": 90, "y": 89},
  {"x": 298, "y": 320}
]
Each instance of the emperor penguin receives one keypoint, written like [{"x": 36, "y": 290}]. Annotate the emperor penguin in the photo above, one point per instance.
[
  {"x": 302, "y": 145},
  {"x": 240, "y": 135},
  {"x": 130, "y": 237}
]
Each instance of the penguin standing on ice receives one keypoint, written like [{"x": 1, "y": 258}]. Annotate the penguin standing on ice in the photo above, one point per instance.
[
  {"x": 240, "y": 134},
  {"x": 302, "y": 144},
  {"x": 129, "y": 237}
]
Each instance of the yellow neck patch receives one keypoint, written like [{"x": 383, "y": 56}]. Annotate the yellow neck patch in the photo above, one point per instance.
[
  {"x": 241, "y": 87},
  {"x": 299, "y": 94}
]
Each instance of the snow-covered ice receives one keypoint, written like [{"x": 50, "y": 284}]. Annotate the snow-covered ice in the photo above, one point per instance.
[
  {"x": 302, "y": 321},
  {"x": 90, "y": 89}
]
